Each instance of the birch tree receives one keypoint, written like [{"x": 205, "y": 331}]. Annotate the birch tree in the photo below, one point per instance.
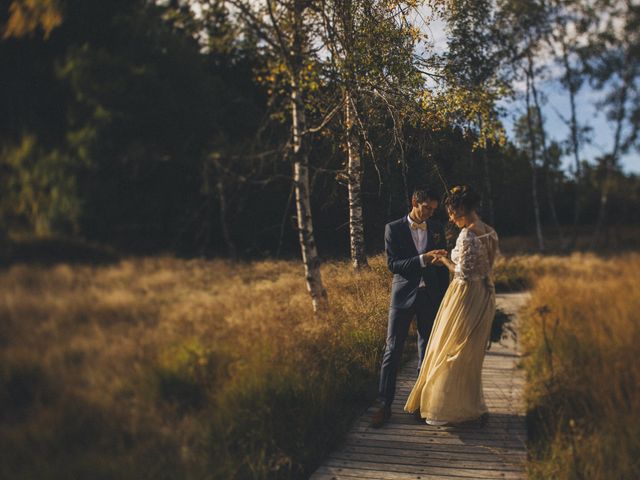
[
  {"x": 613, "y": 67},
  {"x": 527, "y": 134},
  {"x": 530, "y": 73},
  {"x": 523, "y": 25},
  {"x": 565, "y": 42},
  {"x": 286, "y": 31},
  {"x": 372, "y": 52},
  {"x": 472, "y": 81},
  {"x": 340, "y": 31}
]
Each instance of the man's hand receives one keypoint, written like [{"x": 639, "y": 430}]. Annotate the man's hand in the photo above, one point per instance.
[
  {"x": 430, "y": 256},
  {"x": 443, "y": 261}
]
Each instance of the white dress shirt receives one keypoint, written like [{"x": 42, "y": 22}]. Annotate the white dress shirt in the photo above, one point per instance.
[{"x": 420, "y": 241}]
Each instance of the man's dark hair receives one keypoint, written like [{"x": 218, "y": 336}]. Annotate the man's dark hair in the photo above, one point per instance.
[{"x": 422, "y": 194}]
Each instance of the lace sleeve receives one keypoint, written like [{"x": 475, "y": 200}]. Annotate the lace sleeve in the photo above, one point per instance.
[{"x": 466, "y": 258}]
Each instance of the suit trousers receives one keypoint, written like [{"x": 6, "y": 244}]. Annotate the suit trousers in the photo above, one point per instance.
[{"x": 425, "y": 310}]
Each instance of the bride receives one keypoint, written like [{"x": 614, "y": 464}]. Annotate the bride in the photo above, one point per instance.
[{"x": 449, "y": 387}]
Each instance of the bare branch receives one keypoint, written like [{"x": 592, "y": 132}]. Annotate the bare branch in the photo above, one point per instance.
[
  {"x": 255, "y": 23},
  {"x": 326, "y": 119}
]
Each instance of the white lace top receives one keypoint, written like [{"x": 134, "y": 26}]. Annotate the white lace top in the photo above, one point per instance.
[{"x": 474, "y": 255}]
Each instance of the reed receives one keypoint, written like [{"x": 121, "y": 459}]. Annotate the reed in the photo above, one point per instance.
[
  {"x": 168, "y": 368},
  {"x": 581, "y": 335}
]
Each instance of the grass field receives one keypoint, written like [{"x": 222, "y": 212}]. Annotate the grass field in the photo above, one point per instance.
[
  {"x": 581, "y": 334},
  {"x": 166, "y": 368}
]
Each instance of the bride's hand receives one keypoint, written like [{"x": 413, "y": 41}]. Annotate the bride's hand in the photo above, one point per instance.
[
  {"x": 434, "y": 253},
  {"x": 438, "y": 259}
]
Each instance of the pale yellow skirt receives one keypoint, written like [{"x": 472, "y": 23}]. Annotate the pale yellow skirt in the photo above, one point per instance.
[{"x": 449, "y": 387}]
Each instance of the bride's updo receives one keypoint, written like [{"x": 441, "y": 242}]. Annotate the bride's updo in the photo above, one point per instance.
[{"x": 462, "y": 197}]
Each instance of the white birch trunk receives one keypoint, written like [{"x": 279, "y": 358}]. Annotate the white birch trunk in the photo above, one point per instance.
[
  {"x": 575, "y": 139},
  {"x": 545, "y": 155},
  {"x": 488, "y": 196},
  {"x": 308, "y": 248},
  {"x": 609, "y": 164},
  {"x": 534, "y": 172},
  {"x": 356, "y": 221}
]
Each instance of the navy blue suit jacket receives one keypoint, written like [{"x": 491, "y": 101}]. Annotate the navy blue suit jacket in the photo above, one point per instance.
[{"x": 403, "y": 260}]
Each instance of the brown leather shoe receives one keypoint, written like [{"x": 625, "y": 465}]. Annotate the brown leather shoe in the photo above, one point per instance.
[{"x": 380, "y": 416}]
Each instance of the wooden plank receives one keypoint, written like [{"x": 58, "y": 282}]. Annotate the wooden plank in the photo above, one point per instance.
[
  {"x": 343, "y": 473},
  {"x": 416, "y": 470},
  {"x": 356, "y": 439},
  {"x": 491, "y": 456},
  {"x": 412, "y": 427},
  {"x": 425, "y": 440},
  {"x": 495, "y": 418},
  {"x": 410, "y": 424},
  {"x": 440, "y": 461},
  {"x": 491, "y": 428},
  {"x": 509, "y": 459}
]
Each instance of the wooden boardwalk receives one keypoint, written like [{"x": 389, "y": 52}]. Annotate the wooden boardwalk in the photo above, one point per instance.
[{"x": 406, "y": 449}]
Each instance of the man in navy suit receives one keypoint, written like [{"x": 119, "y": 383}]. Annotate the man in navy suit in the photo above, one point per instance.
[{"x": 418, "y": 287}]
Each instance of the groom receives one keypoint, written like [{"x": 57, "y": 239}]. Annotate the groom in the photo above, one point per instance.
[{"x": 417, "y": 289}]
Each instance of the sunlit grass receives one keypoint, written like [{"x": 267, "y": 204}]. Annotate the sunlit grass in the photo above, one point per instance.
[
  {"x": 166, "y": 368},
  {"x": 582, "y": 335}
]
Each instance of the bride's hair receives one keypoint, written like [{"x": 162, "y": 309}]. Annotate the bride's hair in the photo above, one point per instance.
[{"x": 462, "y": 197}]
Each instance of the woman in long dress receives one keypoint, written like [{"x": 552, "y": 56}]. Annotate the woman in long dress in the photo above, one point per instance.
[{"x": 449, "y": 387}]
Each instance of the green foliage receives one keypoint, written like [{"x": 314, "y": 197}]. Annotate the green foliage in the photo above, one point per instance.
[
  {"x": 39, "y": 189},
  {"x": 512, "y": 276},
  {"x": 186, "y": 374},
  {"x": 275, "y": 423},
  {"x": 131, "y": 119}
]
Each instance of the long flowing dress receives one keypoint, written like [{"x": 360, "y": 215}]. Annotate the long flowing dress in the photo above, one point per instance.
[{"x": 449, "y": 387}]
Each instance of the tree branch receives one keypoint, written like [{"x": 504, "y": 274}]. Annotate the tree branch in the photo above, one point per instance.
[{"x": 326, "y": 119}]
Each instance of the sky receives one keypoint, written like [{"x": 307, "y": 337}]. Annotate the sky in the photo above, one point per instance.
[
  {"x": 557, "y": 105},
  {"x": 601, "y": 136}
]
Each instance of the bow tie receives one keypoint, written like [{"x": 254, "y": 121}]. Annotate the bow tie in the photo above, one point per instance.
[{"x": 421, "y": 226}]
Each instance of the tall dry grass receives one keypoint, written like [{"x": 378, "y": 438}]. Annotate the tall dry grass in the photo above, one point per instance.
[
  {"x": 582, "y": 336},
  {"x": 166, "y": 368}
]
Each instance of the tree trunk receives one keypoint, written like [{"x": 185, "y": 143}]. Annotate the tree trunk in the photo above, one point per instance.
[
  {"x": 284, "y": 220},
  {"x": 405, "y": 185},
  {"x": 545, "y": 155},
  {"x": 488, "y": 196},
  {"x": 356, "y": 221},
  {"x": 534, "y": 170},
  {"x": 308, "y": 248},
  {"x": 609, "y": 163},
  {"x": 575, "y": 140},
  {"x": 231, "y": 248},
  {"x": 487, "y": 188}
]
